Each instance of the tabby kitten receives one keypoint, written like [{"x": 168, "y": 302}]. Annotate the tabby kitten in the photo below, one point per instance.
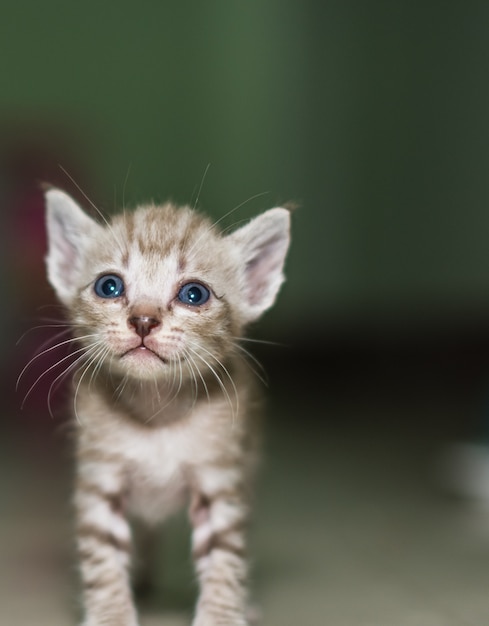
[{"x": 165, "y": 405}]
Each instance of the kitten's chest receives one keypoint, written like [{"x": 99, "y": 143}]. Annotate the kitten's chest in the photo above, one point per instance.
[
  {"x": 158, "y": 465},
  {"x": 156, "y": 472}
]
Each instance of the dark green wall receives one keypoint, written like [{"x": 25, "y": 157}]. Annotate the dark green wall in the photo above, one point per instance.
[{"x": 373, "y": 115}]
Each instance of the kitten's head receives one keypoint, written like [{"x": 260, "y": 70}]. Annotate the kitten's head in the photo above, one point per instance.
[{"x": 160, "y": 290}]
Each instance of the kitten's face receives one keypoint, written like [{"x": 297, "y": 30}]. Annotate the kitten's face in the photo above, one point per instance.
[
  {"x": 159, "y": 293},
  {"x": 156, "y": 291}
]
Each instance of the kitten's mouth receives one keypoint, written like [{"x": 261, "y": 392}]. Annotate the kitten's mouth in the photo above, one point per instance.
[{"x": 144, "y": 352}]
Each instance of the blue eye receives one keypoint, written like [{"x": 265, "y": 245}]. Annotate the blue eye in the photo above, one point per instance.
[
  {"x": 194, "y": 294},
  {"x": 109, "y": 286}
]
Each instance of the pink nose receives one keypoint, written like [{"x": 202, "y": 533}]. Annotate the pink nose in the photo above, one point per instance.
[{"x": 143, "y": 324}]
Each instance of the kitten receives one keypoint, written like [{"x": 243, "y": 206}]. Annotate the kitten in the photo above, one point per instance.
[{"x": 165, "y": 406}]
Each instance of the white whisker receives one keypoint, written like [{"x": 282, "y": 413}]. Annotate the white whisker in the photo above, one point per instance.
[
  {"x": 119, "y": 390},
  {"x": 223, "y": 217},
  {"x": 49, "y": 369},
  {"x": 124, "y": 187},
  {"x": 234, "y": 407},
  {"x": 42, "y": 327},
  {"x": 263, "y": 341},
  {"x": 193, "y": 378},
  {"x": 59, "y": 379},
  {"x": 192, "y": 364},
  {"x": 257, "y": 195},
  {"x": 173, "y": 393},
  {"x": 247, "y": 357},
  {"x": 50, "y": 349},
  {"x": 201, "y": 185},
  {"x": 226, "y": 371},
  {"x": 119, "y": 242},
  {"x": 98, "y": 352},
  {"x": 98, "y": 365}
]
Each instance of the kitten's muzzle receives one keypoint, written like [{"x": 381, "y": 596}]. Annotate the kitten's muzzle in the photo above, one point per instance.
[{"x": 143, "y": 324}]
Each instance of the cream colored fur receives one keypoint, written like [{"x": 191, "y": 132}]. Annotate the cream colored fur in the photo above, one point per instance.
[{"x": 168, "y": 415}]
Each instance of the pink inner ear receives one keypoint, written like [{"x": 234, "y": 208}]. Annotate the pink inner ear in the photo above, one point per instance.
[
  {"x": 64, "y": 254},
  {"x": 68, "y": 265},
  {"x": 263, "y": 271},
  {"x": 68, "y": 260}
]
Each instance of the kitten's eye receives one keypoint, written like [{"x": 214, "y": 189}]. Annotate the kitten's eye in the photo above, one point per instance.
[
  {"x": 194, "y": 294},
  {"x": 109, "y": 286}
]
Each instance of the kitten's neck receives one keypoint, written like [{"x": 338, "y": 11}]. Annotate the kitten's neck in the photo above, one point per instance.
[{"x": 159, "y": 402}]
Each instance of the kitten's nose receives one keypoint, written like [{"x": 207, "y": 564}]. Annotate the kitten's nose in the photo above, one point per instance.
[{"x": 143, "y": 324}]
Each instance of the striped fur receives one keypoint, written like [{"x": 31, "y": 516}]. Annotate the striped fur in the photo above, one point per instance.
[{"x": 169, "y": 416}]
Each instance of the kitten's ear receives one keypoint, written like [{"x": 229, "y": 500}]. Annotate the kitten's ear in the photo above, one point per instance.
[
  {"x": 69, "y": 232},
  {"x": 262, "y": 245}
]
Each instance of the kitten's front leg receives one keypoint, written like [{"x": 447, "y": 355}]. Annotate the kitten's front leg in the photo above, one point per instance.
[
  {"x": 219, "y": 535},
  {"x": 104, "y": 547}
]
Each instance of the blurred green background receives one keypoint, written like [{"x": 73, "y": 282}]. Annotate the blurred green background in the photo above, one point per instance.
[{"x": 373, "y": 116}]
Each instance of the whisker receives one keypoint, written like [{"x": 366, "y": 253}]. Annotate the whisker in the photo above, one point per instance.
[
  {"x": 180, "y": 380},
  {"x": 233, "y": 226},
  {"x": 43, "y": 326},
  {"x": 119, "y": 390},
  {"x": 95, "y": 207},
  {"x": 191, "y": 362},
  {"x": 234, "y": 409},
  {"x": 50, "y": 349},
  {"x": 54, "y": 338},
  {"x": 263, "y": 341},
  {"x": 58, "y": 307},
  {"x": 246, "y": 357},
  {"x": 124, "y": 187},
  {"x": 92, "y": 204},
  {"x": 59, "y": 379},
  {"x": 49, "y": 369},
  {"x": 201, "y": 185},
  {"x": 223, "y": 217},
  {"x": 172, "y": 365},
  {"x": 173, "y": 374},
  {"x": 193, "y": 378},
  {"x": 49, "y": 323},
  {"x": 226, "y": 371},
  {"x": 157, "y": 390},
  {"x": 187, "y": 358},
  {"x": 98, "y": 352},
  {"x": 98, "y": 366}
]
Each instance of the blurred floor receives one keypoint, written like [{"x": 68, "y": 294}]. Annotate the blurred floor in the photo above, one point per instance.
[{"x": 352, "y": 527}]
